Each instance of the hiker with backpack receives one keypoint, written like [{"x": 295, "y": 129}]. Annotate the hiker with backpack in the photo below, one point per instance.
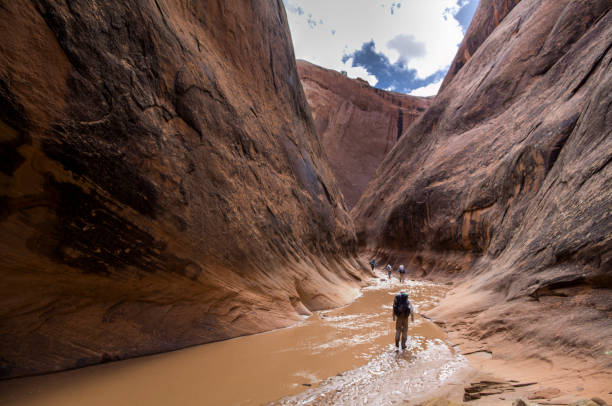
[
  {"x": 389, "y": 269},
  {"x": 402, "y": 273},
  {"x": 402, "y": 309},
  {"x": 372, "y": 264}
]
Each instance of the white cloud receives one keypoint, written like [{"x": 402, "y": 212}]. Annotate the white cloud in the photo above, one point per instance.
[
  {"x": 354, "y": 22},
  {"x": 429, "y": 90},
  {"x": 407, "y": 47},
  {"x": 359, "y": 72}
]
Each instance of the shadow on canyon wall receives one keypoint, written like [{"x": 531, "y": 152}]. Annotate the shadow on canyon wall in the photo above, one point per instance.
[{"x": 161, "y": 182}]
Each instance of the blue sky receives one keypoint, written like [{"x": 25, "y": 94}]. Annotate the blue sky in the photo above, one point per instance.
[{"x": 401, "y": 45}]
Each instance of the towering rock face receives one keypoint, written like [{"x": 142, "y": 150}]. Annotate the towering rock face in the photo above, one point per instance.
[
  {"x": 358, "y": 124},
  {"x": 488, "y": 16},
  {"x": 161, "y": 182},
  {"x": 507, "y": 179}
]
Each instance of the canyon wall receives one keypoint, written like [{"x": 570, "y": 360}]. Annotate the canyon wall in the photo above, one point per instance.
[
  {"x": 488, "y": 15},
  {"x": 161, "y": 181},
  {"x": 505, "y": 183},
  {"x": 358, "y": 124}
]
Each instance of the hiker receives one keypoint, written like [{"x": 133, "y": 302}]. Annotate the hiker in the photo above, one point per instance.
[
  {"x": 389, "y": 270},
  {"x": 402, "y": 273},
  {"x": 402, "y": 309},
  {"x": 372, "y": 264}
]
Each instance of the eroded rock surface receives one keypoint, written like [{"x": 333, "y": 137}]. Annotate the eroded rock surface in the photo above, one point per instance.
[
  {"x": 505, "y": 182},
  {"x": 161, "y": 182},
  {"x": 358, "y": 124}
]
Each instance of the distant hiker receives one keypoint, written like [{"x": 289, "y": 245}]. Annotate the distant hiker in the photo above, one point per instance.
[
  {"x": 389, "y": 269},
  {"x": 402, "y": 309},
  {"x": 402, "y": 273},
  {"x": 372, "y": 264}
]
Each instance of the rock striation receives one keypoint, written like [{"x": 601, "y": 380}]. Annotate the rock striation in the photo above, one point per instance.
[
  {"x": 358, "y": 124},
  {"x": 505, "y": 181},
  {"x": 161, "y": 181}
]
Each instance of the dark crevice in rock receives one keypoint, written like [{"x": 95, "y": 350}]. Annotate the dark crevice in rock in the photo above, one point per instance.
[
  {"x": 400, "y": 122},
  {"x": 565, "y": 130}
]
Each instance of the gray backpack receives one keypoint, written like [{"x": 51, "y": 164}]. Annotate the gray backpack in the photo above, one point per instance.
[{"x": 401, "y": 306}]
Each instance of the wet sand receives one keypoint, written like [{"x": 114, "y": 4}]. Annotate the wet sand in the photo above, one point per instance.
[{"x": 340, "y": 356}]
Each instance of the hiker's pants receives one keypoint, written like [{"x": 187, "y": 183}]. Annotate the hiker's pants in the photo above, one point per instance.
[{"x": 401, "y": 329}]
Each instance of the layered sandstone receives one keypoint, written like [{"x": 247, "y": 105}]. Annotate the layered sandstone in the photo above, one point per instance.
[
  {"x": 161, "y": 182},
  {"x": 358, "y": 124},
  {"x": 505, "y": 183}
]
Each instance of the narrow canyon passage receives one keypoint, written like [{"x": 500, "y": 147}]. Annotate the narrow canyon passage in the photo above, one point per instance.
[{"x": 340, "y": 356}]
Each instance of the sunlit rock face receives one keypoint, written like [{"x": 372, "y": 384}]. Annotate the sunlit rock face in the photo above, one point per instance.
[
  {"x": 358, "y": 124},
  {"x": 161, "y": 182},
  {"x": 507, "y": 175}
]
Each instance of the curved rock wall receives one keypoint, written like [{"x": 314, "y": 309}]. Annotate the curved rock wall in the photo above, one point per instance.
[
  {"x": 161, "y": 181},
  {"x": 505, "y": 181},
  {"x": 358, "y": 124}
]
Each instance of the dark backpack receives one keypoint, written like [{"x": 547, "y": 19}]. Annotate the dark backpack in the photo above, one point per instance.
[{"x": 401, "y": 306}]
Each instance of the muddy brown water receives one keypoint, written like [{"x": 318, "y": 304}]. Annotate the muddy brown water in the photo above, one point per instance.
[{"x": 339, "y": 356}]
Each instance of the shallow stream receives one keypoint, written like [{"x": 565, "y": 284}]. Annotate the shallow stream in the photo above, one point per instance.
[{"x": 343, "y": 356}]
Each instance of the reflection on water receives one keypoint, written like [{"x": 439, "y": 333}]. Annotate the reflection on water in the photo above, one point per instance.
[{"x": 340, "y": 356}]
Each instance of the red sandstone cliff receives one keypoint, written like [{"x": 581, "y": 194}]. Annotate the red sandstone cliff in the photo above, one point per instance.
[
  {"x": 161, "y": 182},
  {"x": 358, "y": 124},
  {"x": 505, "y": 182}
]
